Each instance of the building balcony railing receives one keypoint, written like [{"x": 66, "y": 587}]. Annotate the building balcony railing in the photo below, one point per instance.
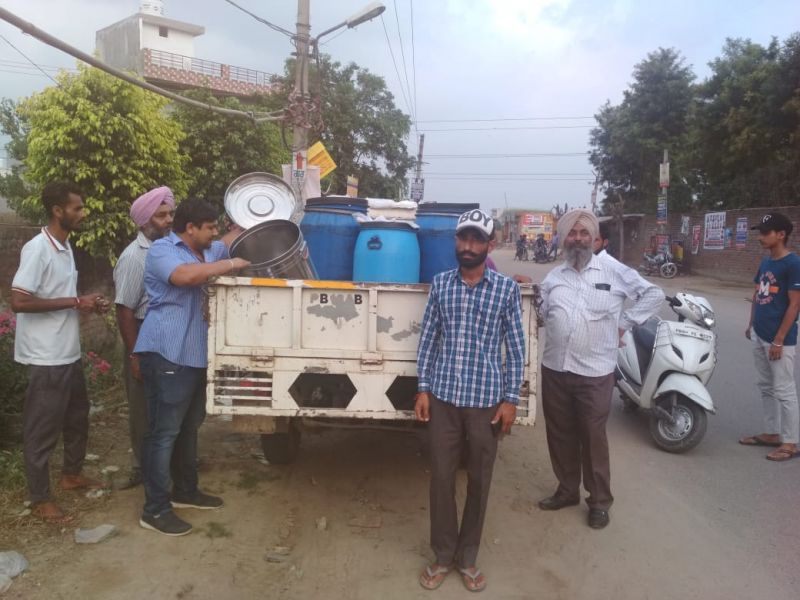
[{"x": 204, "y": 73}]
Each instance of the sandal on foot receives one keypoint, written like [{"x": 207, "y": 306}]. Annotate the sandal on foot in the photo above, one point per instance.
[
  {"x": 783, "y": 453},
  {"x": 49, "y": 512},
  {"x": 757, "y": 440},
  {"x": 80, "y": 482},
  {"x": 473, "y": 581},
  {"x": 433, "y": 576}
]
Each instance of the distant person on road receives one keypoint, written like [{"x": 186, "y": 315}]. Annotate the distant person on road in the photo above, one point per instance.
[
  {"x": 44, "y": 294},
  {"x": 172, "y": 346},
  {"x": 467, "y": 394},
  {"x": 554, "y": 246},
  {"x": 582, "y": 309},
  {"x": 152, "y": 212},
  {"x": 773, "y": 331}
]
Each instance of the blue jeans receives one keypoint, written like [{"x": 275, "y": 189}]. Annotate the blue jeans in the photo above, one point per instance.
[{"x": 176, "y": 403}]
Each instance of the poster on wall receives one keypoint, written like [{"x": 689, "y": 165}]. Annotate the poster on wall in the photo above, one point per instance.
[
  {"x": 714, "y": 235},
  {"x": 661, "y": 210},
  {"x": 696, "y": 239},
  {"x": 728, "y": 237},
  {"x": 684, "y": 225},
  {"x": 741, "y": 232},
  {"x": 662, "y": 243}
]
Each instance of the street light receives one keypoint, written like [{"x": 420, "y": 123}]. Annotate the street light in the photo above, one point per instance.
[{"x": 369, "y": 12}]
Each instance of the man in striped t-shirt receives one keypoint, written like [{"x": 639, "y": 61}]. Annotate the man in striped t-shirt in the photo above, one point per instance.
[{"x": 466, "y": 393}]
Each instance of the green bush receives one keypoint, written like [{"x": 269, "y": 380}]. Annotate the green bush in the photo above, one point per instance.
[{"x": 13, "y": 376}]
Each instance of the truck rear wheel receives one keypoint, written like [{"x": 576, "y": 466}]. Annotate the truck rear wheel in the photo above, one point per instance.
[{"x": 281, "y": 448}]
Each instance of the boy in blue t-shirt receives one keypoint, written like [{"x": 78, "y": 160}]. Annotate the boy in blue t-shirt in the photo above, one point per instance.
[{"x": 773, "y": 330}]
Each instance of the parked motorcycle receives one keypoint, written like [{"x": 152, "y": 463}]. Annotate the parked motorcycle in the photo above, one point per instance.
[
  {"x": 541, "y": 254},
  {"x": 661, "y": 263},
  {"x": 664, "y": 367}
]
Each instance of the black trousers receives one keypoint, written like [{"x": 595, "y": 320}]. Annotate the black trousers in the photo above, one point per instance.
[
  {"x": 56, "y": 404},
  {"x": 450, "y": 428},
  {"x": 576, "y": 410}
]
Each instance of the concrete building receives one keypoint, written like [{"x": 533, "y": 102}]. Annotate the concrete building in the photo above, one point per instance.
[{"x": 161, "y": 50}]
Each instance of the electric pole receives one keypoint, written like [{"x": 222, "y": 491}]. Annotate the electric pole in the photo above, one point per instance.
[
  {"x": 419, "y": 156},
  {"x": 418, "y": 186},
  {"x": 300, "y": 97}
]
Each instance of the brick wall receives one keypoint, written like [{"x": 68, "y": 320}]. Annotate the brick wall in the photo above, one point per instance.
[
  {"x": 729, "y": 264},
  {"x": 93, "y": 276}
]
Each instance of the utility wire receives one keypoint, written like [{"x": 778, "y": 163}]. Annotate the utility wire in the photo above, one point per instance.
[
  {"x": 414, "y": 64},
  {"x": 394, "y": 62},
  {"x": 522, "y": 155},
  {"x": 511, "y": 128},
  {"x": 25, "y": 56},
  {"x": 403, "y": 56},
  {"x": 277, "y": 28},
  {"x": 48, "y": 39},
  {"x": 506, "y": 119},
  {"x": 18, "y": 63}
]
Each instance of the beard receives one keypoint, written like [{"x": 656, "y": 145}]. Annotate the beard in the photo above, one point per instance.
[
  {"x": 577, "y": 255},
  {"x": 153, "y": 233},
  {"x": 68, "y": 225},
  {"x": 469, "y": 260}
]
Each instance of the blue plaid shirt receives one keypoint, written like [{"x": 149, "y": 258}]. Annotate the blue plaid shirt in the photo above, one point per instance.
[
  {"x": 459, "y": 357},
  {"x": 174, "y": 326}
]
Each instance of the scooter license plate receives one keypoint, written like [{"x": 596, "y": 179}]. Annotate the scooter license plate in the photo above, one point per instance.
[{"x": 695, "y": 333}]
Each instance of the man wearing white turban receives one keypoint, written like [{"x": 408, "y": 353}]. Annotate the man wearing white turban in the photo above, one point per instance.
[
  {"x": 152, "y": 212},
  {"x": 582, "y": 309}
]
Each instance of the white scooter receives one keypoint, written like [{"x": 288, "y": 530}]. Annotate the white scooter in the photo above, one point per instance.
[{"x": 664, "y": 367}]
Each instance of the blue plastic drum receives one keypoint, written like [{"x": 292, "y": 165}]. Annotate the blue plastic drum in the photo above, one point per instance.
[
  {"x": 386, "y": 252},
  {"x": 437, "y": 229},
  {"x": 330, "y": 231}
]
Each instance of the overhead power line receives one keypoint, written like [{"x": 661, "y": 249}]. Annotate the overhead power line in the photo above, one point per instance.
[
  {"x": 50, "y": 40},
  {"x": 506, "y": 119},
  {"x": 405, "y": 68},
  {"x": 521, "y": 155},
  {"x": 509, "y": 128},
  {"x": 43, "y": 72},
  {"x": 277, "y": 28},
  {"x": 396, "y": 70}
]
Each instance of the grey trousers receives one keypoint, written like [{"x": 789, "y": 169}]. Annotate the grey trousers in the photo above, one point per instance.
[
  {"x": 137, "y": 414},
  {"x": 778, "y": 391},
  {"x": 56, "y": 404},
  {"x": 450, "y": 428},
  {"x": 576, "y": 410}
]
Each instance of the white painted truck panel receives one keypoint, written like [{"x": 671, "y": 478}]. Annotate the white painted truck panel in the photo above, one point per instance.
[{"x": 292, "y": 348}]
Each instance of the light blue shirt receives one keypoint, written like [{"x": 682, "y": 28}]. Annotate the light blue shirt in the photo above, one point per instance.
[{"x": 174, "y": 326}]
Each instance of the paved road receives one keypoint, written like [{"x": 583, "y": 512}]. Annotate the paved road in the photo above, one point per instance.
[{"x": 730, "y": 487}]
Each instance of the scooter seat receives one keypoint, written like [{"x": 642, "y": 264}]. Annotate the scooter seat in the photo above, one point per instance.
[{"x": 644, "y": 336}]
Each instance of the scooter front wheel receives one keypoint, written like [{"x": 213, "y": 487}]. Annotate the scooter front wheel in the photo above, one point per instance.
[{"x": 687, "y": 430}]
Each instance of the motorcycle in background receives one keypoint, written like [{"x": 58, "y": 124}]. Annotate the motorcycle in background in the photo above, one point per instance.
[
  {"x": 661, "y": 263},
  {"x": 664, "y": 367}
]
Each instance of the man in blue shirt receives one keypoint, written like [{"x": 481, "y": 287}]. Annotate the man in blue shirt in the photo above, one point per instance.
[
  {"x": 466, "y": 393},
  {"x": 172, "y": 349},
  {"x": 773, "y": 331}
]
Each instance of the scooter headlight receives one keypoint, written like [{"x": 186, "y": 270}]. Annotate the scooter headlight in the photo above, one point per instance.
[
  {"x": 709, "y": 319},
  {"x": 696, "y": 310}
]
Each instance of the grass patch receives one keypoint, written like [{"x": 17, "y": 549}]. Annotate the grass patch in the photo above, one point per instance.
[
  {"x": 12, "y": 469},
  {"x": 216, "y": 530},
  {"x": 251, "y": 479}
]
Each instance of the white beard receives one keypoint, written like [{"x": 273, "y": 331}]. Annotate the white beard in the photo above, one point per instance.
[{"x": 577, "y": 256}]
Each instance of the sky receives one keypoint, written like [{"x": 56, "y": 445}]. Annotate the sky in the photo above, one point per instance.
[{"x": 552, "y": 63}]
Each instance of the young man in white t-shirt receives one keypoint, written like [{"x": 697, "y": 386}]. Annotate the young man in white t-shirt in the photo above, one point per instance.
[{"x": 44, "y": 294}]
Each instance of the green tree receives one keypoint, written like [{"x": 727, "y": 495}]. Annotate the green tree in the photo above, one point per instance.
[
  {"x": 746, "y": 125},
  {"x": 360, "y": 126},
  {"x": 12, "y": 184},
  {"x": 629, "y": 141},
  {"x": 221, "y": 148},
  {"x": 113, "y": 139}
]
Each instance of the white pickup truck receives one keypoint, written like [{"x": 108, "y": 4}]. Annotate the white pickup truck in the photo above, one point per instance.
[{"x": 283, "y": 351}]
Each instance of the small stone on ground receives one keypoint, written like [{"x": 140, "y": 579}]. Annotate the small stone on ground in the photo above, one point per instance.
[{"x": 96, "y": 535}]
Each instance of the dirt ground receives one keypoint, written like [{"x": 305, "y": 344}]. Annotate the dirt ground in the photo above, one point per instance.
[
  {"x": 370, "y": 487},
  {"x": 349, "y": 520}
]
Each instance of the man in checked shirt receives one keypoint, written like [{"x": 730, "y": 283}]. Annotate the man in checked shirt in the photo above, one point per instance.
[
  {"x": 582, "y": 308},
  {"x": 466, "y": 393}
]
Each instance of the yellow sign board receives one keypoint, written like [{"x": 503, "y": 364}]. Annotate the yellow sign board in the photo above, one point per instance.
[{"x": 319, "y": 157}]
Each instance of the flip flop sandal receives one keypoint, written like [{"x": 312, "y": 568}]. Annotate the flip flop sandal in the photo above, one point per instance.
[
  {"x": 782, "y": 454},
  {"x": 55, "y": 518},
  {"x": 756, "y": 440},
  {"x": 470, "y": 580},
  {"x": 427, "y": 578}
]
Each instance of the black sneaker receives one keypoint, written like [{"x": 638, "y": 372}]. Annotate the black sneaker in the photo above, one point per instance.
[
  {"x": 197, "y": 500},
  {"x": 167, "y": 523}
]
